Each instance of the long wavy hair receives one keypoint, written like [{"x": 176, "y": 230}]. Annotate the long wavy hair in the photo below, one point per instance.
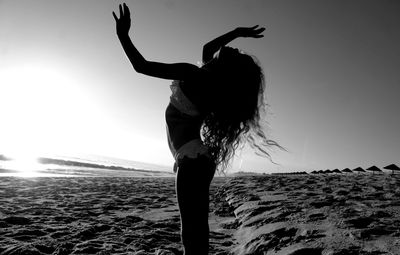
[{"x": 236, "y": 107}]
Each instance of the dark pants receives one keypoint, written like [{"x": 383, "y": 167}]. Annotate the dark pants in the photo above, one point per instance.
[{"x": 192, "y": 188}]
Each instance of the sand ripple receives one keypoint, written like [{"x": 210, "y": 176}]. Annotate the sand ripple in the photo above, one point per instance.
[
  {"x": 286, "y": 215},
  {"x": 91, "y": 215},
  {"x": 311, "y": 214}
]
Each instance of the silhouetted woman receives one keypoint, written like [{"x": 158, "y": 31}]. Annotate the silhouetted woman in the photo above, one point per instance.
[{"x": 212, "y": 109}]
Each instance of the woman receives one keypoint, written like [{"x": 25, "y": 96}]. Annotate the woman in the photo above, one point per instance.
[{"x": 213, "y": 108}]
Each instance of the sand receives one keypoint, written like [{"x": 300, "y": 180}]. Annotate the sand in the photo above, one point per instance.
[
  {"x": 92, "y": 215},
  {"x": 316, "y": 214},
  {"x": 305, "y": 214}
]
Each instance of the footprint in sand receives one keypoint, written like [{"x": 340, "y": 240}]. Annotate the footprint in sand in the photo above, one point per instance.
[
  {"x": 316, "y": 217},
  {"x": 359, "y": 222},
  {"x": 274, "y": 240}
]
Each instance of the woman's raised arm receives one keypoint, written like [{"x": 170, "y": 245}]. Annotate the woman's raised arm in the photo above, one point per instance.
[
  {"x": 213, "y": 46},
  {"x": 177, "y": 71}
]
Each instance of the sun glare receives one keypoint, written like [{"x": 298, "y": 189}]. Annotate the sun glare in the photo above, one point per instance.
[
  {"x": 43, "y": 110},
  {"x": 46, "y": 110},
  {"x": 25, "y": 165}
]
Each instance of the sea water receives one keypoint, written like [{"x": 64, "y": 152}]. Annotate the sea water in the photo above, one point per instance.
[{"x": 79, "y": 165}]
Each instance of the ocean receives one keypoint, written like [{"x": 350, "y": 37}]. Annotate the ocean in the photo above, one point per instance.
[{"x": 79, "y": 166}]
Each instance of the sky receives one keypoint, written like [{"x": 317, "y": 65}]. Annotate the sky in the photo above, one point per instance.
[{"x": 331, "y": 67}]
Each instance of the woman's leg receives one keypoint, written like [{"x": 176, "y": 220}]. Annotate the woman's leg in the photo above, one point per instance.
[{"x": 192, "y": 187}]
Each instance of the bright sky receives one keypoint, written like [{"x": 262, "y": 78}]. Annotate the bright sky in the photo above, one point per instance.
[{"x": 332, "y": 69}]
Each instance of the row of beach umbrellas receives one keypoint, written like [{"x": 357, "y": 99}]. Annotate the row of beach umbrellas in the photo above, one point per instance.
[{"x": 373, "y": 169}]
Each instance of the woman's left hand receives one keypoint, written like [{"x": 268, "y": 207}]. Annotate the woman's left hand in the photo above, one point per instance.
[
  {"x": 124, "y": 21},
  {"x": 254, "y": 32}
]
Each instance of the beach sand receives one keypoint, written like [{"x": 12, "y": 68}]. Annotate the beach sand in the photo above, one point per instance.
[
  {"x": 305, "y": 214},
  {"x": 94, "y": 215},
  {"x": 316, "y": 214}
]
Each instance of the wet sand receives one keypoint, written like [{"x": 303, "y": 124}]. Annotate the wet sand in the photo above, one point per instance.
[{"x": 306, "y": 214}]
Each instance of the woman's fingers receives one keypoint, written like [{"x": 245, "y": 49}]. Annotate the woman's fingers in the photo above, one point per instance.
[
  {"x": 254, "y": 31},
  {"x": 115, "y": 16},
  {"x": 121, "y": 13},
  {"x": 126, "y": 10},
  {"x": 259, "y": 30},
  {"x": 123, "y": 22},
  {"x": 124, "y": 13}
]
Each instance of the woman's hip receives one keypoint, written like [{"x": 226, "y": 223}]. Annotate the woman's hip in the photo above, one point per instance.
[{"x": 199, "y": 168}]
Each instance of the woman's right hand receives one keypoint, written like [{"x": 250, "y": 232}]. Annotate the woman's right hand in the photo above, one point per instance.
[
  {"x": 123, "y": 23},
  {"x": 254, "y": 32}
]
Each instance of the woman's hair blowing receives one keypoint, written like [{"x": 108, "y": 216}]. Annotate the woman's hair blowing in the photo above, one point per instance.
[{"x": 238, "y": 103}]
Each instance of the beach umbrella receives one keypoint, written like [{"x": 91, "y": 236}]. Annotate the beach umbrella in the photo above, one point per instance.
[
  {"x": 346, "y": 170},
  {"x": 374, "y": 169},
  {"x": 358, "y": 169},
  {"x": 327, "y": 171},
  {"x": 392, "y": 167},
  {"x": 337, "y": 171}
]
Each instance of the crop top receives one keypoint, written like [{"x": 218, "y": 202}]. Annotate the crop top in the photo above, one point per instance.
[{"x": 184, "y": 122}]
